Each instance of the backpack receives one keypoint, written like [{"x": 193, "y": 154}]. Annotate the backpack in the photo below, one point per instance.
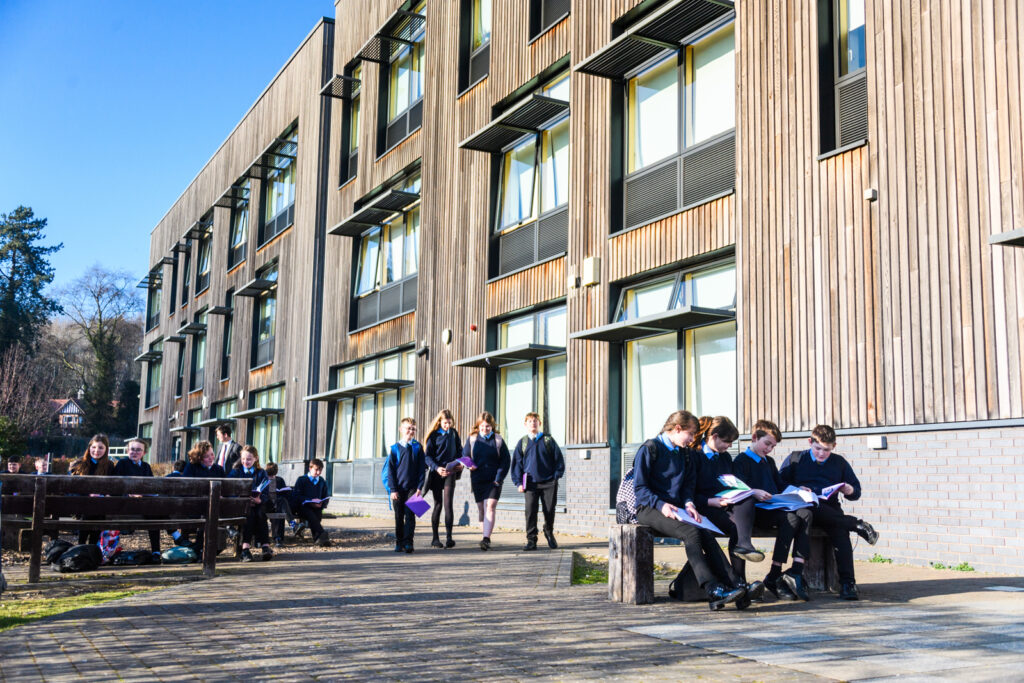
[
  {"x": 625, "y": 498},
  {"x": 54, "y": 550},
  {"x": 132, "y": 558},
  {"x": 498, "y": 441},
  {"x": 79, "y": 558},
  {"x": 392, "y": 454},
  {"x": 179, "y": 554}
]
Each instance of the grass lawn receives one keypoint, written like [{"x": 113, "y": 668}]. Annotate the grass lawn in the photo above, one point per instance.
[
  {"x": 15, "y": 611},
  {"x": 589, "y": 569}
]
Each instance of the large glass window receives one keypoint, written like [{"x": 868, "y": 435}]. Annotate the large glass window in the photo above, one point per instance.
[
  {"x": 364, "y": 427},
  {"x": 852, "y": 47},
  {"x": 694, "y": 368},
  {"x": 186, "y": 277},
  {"x": 711, "y": 86},
  {"x": 192, "y": 435},
  {"x": 239, "y": 237},
  {"x": 533, "y": 386},
  {"x": 279, "y": 185},
  {"x": 653, "y": 113},
  {"x": 154, "y": 373},
  {"x": 154, "y": 296},
  {"x": 352, "y": 123},
  {"x": 266, "y": 321},
  {"x": 481, "y": 23},
  {"x": 229, "y": 326},
  {"x": 179, "y": 386},
  {"x": 405, "y": 74},
  {"x": 266, "y": 431},
  {"x": 198, "y": 356},
  {"x": 203, "y": 260}
]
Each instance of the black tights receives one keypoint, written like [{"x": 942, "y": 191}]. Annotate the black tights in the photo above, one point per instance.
[{"x": 443, "y": 489}]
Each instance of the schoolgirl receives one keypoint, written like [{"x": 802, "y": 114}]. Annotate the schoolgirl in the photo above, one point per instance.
[
  {"x": 94, "y": 462},
  {"x": 491, "y": 463},
  {"x": 256, "y": 517},
  {"x": 441, "y": 447}
]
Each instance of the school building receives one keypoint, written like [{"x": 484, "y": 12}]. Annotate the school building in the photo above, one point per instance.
[{"x": 606, "y": 210}]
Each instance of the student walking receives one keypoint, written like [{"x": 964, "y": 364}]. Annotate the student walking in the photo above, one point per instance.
[
  {"x": 491, "y": 461},
  {"x": 135, "y": 466},
  {"x": 817, "y": 468},
  {"x": 442, "y": 447},
  {"x": 255, "y": 528},
  {"x": 404, "y": 475},
  {"x": 94, "y": 462},
  {"x": 664, "y": 478},
  {"x": 537, "y": 465}
]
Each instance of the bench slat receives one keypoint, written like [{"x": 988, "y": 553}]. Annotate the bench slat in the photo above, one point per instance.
[
  {"x": 121, "y": 486},
  {"x": 192, "y": 506}
]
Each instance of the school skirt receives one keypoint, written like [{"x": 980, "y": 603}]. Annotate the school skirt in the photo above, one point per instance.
[{"x": 486, "y": 488}]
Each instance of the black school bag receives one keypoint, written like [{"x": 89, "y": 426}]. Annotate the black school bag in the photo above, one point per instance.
[
  {"x": 54, "y": 549},
  {"x": 625, "y": 499},
  {"x": 132, "y": 558},
  {"x": 80, "y": 558}
]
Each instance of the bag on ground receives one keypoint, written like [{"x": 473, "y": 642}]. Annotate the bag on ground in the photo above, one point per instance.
[
  {"x": 132, "y": 558},
  {"x": 179, "y": 554},
  {"x": 54, "y": 549},
  {"x": 80, "y": 558}
]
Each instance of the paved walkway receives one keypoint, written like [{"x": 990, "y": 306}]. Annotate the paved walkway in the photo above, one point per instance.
[{"x": 465, "y": 614}]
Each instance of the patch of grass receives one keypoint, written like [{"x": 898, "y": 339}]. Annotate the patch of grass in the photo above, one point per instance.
[
  {"x": 962, "y": 567},
  {"x": 938, "y": 565},
  {"x": 16, "y": 612},
  {"x": 587, "y": 569},
  {"x": 878, "y": 559}
]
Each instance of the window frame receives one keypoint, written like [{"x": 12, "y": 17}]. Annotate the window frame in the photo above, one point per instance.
[
  {"x": 154, "y": 370},
  {"x": 240, "y": 206},
  {"x": 186, "y": 278},
  {"x": 537, "y": 10},
  {"x": 197, "y": 372},
  {"x": 469, "y": 56},
  {"x": 154, "y": 298},
  {"x": 833, "y": 84},
  {"x": 349, "y": 166},
  {"x": 284, "y": 217},
  {"x": 227, "y": 335},
  {"x": 409, "y": 119},
  {"x": 262, "y": 354},
  {"x": 204, "y": 252}
]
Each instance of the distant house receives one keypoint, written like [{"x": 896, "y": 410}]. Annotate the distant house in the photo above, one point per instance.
[{"x": 68, "y": 413}]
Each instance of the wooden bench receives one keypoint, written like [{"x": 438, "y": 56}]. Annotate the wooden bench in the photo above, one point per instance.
[
  {"x": 631, "y": 563},
  {"x": 127, "y": 503}
]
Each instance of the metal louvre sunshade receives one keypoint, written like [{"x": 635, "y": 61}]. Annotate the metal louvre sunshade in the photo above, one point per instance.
[
  {"x": 149, "y": 356},
  {"x": 192, "y": 328},
  {"x": 525, "y": 118},
  {"x": 232, "y": 195},
  {"x": 666, "y": 321},
  {"x": 255, "y": 287},
  {"x": 267, "y": 159},
  {"x": 363, "y": 389},
  {"x": 212, "y": 422},
  {"x": 175, "y": 339},
  {"x": 663, "y": 30},
  {"x": 513, "y": 354},
  {"x": 374, "y": 213},
  {"x": 341, "y": 87},
  {"x": 187, "y": 428},
  {"x": 154, "y": 279},
  {"x": 219, "y": 310},
  {"x": 1012, "y": 238},
  {"x": 182, "y": 247},
  {"x": 398, "y": 32},
  {"x": 255, "y": 412}
]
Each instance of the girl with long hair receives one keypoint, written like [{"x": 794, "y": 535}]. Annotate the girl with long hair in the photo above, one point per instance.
[
  {"x": 256, "y": 517},
  {"x": 94, "y": 462},
  {"x": 441, "y": 447},
  {"x": 491, "y": 463}
]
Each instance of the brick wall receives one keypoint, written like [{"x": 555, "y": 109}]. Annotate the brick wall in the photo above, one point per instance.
[{"x": 941, "y": 496}]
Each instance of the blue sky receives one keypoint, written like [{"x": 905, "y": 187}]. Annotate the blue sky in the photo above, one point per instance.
[{"x": 109, "y": 109}]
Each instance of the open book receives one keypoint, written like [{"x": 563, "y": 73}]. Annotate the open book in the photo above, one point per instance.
[
  {"x": 736, "y": 490},
  {"x": 704, "y": 522},
  {"x": 259, "y": 488},
  {"x": 316, "y": 500},
  {"x": 793, "y": 498}
]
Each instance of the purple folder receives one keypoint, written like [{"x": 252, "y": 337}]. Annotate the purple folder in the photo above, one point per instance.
[
  {"x": 417, "y": 505},
  {"x": 465, "y": 462}
]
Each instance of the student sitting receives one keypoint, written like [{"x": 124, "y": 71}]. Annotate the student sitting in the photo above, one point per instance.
[
  {"x": 255, "y": 527},
  {"x": 135, "y": 466},
  {"x": 815, "y": 469},
  {"x": 42, "y": 466},
  {"x": 537, "y": 465},
  {"x": 310, "y": 497},
  {"x": 180, "y": 538},
  {"x": 201, "y": 462},
  {"x": 278, "y": 503},
  {"x": 177, "y": 469},
  {"x": 442, "y": 447},
  {"x": 491, "y": 461},
  {"x": 405, "y": 475},
  {"x": 13, "y": 465},
  {"x": 664, "y": 478},
  {"x": 757, "y": 470},
  {"x": 94, "y": 462}
]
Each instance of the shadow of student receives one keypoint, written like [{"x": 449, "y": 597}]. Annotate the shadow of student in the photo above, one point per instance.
[
  {"x": 464, "y": 518},
  {"x": 940, "y": 586}
]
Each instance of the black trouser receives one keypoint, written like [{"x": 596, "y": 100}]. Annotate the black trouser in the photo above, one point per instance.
[
  {"x": 789, "y": 526},
  {"x": 736, "y": 521},
  {"x": 545, "y": 493},
  {"x": 89, "y": 535},
  {"x": 443, "y": 489},
  {"x": 282, "y": 505},
  {"x": 405, "y": 519},
  {"x": 313, "y": 517},
  {"x": 255, "y": 527},
  {"x": 154, "y": 539},
  {"x": 838, "y": 526},
  {"x": 702, "y": 550}
]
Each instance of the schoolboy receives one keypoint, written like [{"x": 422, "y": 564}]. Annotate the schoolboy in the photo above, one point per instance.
[
  {"x": 817, "y": 468},
  {"x": 664, "y": 475},
  {"x": 406, "y": 474},
  {"x": 537, "y": 465},
  {"x": 13, "y": 465},
  {"x": 42, "y": 466},
  {"x": 736, "y": 520},
  {"x": 757, "y": 469},
  {"x": 312, "y": 487}
]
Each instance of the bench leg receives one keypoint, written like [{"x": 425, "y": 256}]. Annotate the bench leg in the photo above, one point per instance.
[
  {"x": 210, "y": 531},
  {"x": 631, "y": 564},
  {"x": 36, "y": 542}
]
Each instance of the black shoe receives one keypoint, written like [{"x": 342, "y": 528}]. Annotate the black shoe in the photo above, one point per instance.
[
  {"x": 755, "y": 591},
  {"x": 742, "y": 603},
  {"x": 408, "y": 549},
  {"x": 779, "y": 589},
  {"x": 720, "y": 596},
  {"x": 246, "y": 555},
  {"x": 449, "y": 544},
  {"x": 531, "y": 544},
  {"x": 398, "y": 547},
  {"x": 485, "y": 543},
  {"x": 268, "y": 554},
  {"x": 436, "y": 543},
  {"x": 299, "y": 528},
  {"x": 796, "y": 584},
  {"x": 848, "y": 591},
  {"x": 867, "y": 532},
  {"x": 323, "y": 540},
  {"x": 278, "y": 542},
  {"x": 672, "y": 591},
  {"x": 157, "y": 558},
  {"x": 552, "y": 543},
  {"x": 748, "y": 554}
]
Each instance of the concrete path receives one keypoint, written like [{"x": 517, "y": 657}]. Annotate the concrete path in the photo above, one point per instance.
[{"x": 370, "y": 613}]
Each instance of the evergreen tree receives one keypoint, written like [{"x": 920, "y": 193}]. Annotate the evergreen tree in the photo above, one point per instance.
[{"x": 25, "y": 271}]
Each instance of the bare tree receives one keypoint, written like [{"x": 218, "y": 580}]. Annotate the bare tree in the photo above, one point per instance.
[
  {"x": 105, "y": 309},
  {"x": 25, "y": 390}
]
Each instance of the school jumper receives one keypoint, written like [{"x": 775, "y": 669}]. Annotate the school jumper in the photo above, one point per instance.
[
  {"x": 801, "y": 469},
  {"x": 197, "y": 470},
  {"x": 308, "y": 488},
  {"x": 737, "y": 521},
  {"x": 255, "y": 526},
  {"x": 542, "y": 465},
  {"x": 492, "y": 461},
  {"x": 440, "y": 449},
  {"x": 406, "y": 475},
  {"x": 664, "y": 473},
  {"x": 792, "y": 526},
  {"x": 86, "y": 466},
  {"x": 127, "y": 468}
]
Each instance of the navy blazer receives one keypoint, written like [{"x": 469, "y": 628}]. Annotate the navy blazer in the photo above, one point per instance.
[{"x": 214, "y": 471}]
